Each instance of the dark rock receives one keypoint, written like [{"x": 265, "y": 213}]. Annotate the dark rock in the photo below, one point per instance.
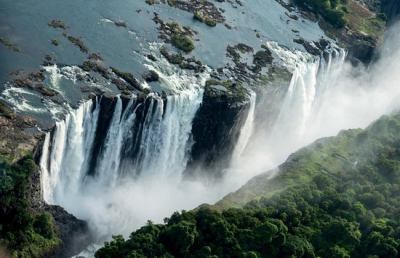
[
  {"x": 55, "y": 42},
  {"x": 310, "y": 47},
  {"x": 95, "y": 56},
  {"x": 77, "y": 42},
  {"x": 203, "y": 7},
  {"x": 262, "y": 58},
  {"x": 392, "y": 9},
  {"x": 57, "y": 24},
  {"x": 74, "y": 233},
  {"x": 120, "y": 24},
  {"x": 244, "y": 48},
  {"x": 8, "y": 44},
  {"x": 129, "y": 78},
  {"x": 151, "y": 76},
  {"x": 151, "y": 57},
  {"x": 216, "y": 129}
]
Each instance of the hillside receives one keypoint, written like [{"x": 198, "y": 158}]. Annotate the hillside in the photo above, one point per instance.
[{"x": 338, "y": 197}]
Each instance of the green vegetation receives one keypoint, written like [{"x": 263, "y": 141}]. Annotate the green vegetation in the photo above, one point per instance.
[
  {"x": 23, "y": 232},
  {"x": 180, "y": 37},
  {"x": 5, "y": 110},
  {"x": 351, "y": 13},
  {"x": 182, "y": 42},
  {"x": 333, "y": 11},
  {"x": 339, "y": 197},
  {"x": 200, "y": 16},
  {"x": 234, "y": 90}
]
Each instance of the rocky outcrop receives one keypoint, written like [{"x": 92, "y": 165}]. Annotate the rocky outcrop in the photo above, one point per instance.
[
  {"x": 216, "y": 128},
  {"x": 18, "y": 137},
  {"x": 73, "y": 232}
]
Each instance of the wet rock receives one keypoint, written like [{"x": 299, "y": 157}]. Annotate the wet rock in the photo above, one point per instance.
[
  {"x": 129, "y": 78},
  {"x": 151, "y": 57},
  {"x": 216, "y": 128},
  {"x": 203, "y": 10},
  {"x": 151, "y": 76},
  {"x": 314, "y": 48},
  {"x": 151, "y": 2},
  {"x": 74, "y": 233},
  {"x": 120, "y": 23},
  {"x": 179, "y": 36},
  {"x": 262, "y": 58},
  {"x": 292, "y": 16},
  {"x": 95, "y": 56},
  {"x": 201, "y": 16},
  {"x": 5, "y": 110},
  {"x": 57, "y": 24},
  {"x": 55, "y": 42},
  {"x": 8, "y": 44},
  {"x": 244, "y": 48},
  {"x": 34, "y": 81},
  {"x": 182, "y": 42},
  {"x": 184, "y": 63},
  {"x": 79, "y": 43},
  {"x": 49, "y": 60}
]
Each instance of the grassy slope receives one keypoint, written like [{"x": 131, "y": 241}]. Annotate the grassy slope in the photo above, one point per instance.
[{"x": 330, "y": 156}]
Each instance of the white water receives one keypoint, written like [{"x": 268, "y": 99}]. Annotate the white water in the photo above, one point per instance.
[
  {"x": 64, "y": 159},
  {"x": 323, "y": 97},
  {"x": 246, "y": 131},
  {"x": 128, "y": 190}
]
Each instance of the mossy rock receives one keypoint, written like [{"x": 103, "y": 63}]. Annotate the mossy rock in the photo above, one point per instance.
[
  {"x": 200, "y": 16},
  {"x": 5, "y": 110},
  {"x": 182, "y": 42},
  {"x": 216, "y": 88}
]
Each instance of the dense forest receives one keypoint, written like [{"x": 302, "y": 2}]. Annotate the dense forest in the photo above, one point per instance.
[
  {"x": 28, "y": 232},
  {"x": 349, "y": 208}
]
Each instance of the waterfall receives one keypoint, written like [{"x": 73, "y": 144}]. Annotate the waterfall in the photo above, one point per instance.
[
  {"x": 246, "y": 130},
  {"x": 64, "y": 157},
  {"x": 313, "y": 81},
  {"x": 310, "y": 82},
  {"x": 111, "y": 143}
]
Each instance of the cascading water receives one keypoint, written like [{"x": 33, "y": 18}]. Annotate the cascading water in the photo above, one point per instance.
[
  {"x": 136, "y": 174},
  {"x": 64, "y": 158},
  {"x": 113, "y": 145},
  {"x": 312, "y": 80},
  {"x": 145, "y": 146},
  {"x": 246, "y": 130}
]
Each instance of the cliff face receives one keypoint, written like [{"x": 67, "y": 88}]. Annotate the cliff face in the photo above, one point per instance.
[
  {"x": 73, "y": 232},
  {"x": 20, "y": 177},
  {"x": 392, "y": 9},
  {"x": 216, "y": 129}
]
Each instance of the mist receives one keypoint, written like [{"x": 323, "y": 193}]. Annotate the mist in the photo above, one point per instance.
[{"x": 353, "y": 97}]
